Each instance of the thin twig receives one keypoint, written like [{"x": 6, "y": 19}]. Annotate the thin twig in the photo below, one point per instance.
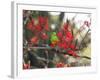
[{"x": 83, "y": 38}]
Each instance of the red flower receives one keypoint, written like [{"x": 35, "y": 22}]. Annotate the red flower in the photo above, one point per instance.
[
  {"x": 69, "y": 36},
  {"x": 42, "y": 20},
  {"x": 46, "y": 27},
  {"x": 60, "y": 35},
  {"x": 72, "y": 46},
  {"x": 63, "y": 45},
  {"x": 65, "y": 27},
  {"x": 38, "y": 27},
  {"x": 26, "y": 66},
  {"x": 30, "y": 25},
  {"x": 34, "y": 40},
  {"x": 59, "y": 65},
  {"x": 71, "y": 52},
  {"x": 44, "y": 36}
]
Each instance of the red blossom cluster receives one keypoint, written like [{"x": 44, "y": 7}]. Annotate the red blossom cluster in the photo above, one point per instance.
[
  {"x": 42, "y": 24},
  {"x": 65, "y": 35},
  {"x": 26, "y": 66},
  {"x": 37, "y": 28},
  {"x": 60, "y": 64}
]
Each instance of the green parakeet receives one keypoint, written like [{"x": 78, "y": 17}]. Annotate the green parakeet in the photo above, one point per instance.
[{"x": 54, "y": 38}]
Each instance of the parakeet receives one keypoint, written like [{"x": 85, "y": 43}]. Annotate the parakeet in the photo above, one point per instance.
[{"x": 54, "y": 39}]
